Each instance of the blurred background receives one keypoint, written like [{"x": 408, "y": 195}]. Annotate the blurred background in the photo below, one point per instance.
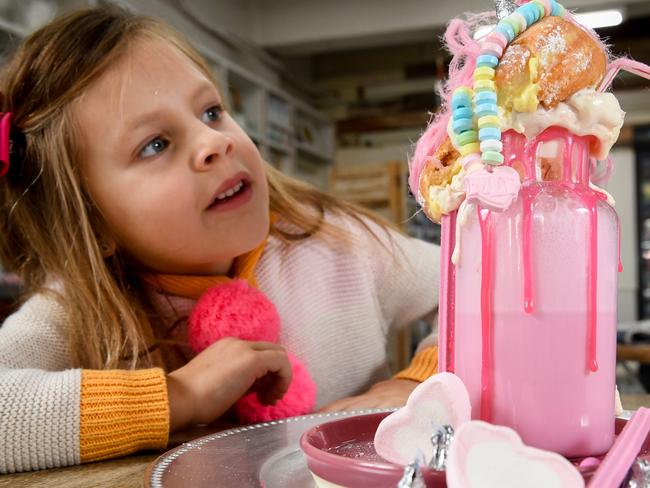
[{"x": 336, "y": 93}]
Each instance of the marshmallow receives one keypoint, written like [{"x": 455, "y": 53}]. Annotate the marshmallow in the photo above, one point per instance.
[{"x": 440, "y": 400}]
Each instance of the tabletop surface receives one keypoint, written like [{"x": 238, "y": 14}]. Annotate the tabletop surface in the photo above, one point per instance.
[{"x": 128, "y": 472}]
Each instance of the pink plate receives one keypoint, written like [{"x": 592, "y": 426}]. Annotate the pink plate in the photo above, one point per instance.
[{"x": 342, "y": 452}]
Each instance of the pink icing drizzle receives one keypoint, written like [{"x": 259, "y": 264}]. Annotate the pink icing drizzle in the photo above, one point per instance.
[
  {"x": 620, "y": 263},
  {"x": 528, "y": 195},
  {"x": 447, "y": 294},
  {"x": 487, "y": 295}
]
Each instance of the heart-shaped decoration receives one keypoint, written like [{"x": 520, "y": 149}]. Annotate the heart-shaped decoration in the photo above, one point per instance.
[
  {"x": 440, "y": 400},
  {"x": 494, "y": 190},
  {"x": 483, "y": 455}
]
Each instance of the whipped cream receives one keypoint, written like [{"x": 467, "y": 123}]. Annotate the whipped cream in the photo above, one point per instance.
[
  {"x": 586, "y": 112},
  {"x": 447, "y": 198}
]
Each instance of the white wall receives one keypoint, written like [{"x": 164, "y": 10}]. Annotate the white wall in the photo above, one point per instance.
[{"x": 622, "y": 186}]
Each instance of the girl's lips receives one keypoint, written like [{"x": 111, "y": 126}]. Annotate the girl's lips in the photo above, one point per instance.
[
  {"x": 239, "y": 199},
  {"x": 231, "y": 183}
]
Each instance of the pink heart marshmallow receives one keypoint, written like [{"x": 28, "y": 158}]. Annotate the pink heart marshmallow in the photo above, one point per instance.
[
  {"x": 440, "y": 400},
  {"x": 495, "y": 190},
  {"x": 483, "y": 455}
]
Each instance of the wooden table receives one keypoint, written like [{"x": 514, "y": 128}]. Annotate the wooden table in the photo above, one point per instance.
[{"x": 128, "y": 472}]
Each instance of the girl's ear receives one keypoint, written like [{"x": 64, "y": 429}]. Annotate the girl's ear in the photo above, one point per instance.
[{"x": 107, "y": 246}]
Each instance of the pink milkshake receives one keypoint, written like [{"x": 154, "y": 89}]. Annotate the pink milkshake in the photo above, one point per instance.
[{"x": 529, "y": 311}]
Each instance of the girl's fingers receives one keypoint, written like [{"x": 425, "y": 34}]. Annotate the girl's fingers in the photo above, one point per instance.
[{"x": 265, "y": 346}]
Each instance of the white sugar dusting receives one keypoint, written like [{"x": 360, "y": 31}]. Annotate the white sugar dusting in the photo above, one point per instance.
[
  {"x": 581, "y": 60},
  {"x": 515, "y": 56},
  {"x": 553, "y": 44}
]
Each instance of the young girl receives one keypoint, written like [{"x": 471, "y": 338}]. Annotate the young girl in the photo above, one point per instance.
[{"x": 130, "y": 191}]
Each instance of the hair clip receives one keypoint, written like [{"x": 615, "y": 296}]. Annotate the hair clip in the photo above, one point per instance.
[{"x": 5, "y": 142}]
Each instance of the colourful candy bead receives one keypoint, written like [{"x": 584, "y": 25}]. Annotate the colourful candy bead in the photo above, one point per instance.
[
  {"x": 469, "y": 149},
  {"x": 548, "y": 8},
  {"x": 530, "y": 13},
  {"x": 492, "y": 158},
  {"x": 492, "y": 49},
  {"x": 461, "y": 125},
  {"x": 520, "y": 19},
  {"x": 512, "y": 23},
  {"x": 484, "y": 85},
  {"x": 491, "y": 145},
  {"x": 484, "y": 73},
  {"x": 462, "y": 113},
  {"x": 486, "y": 109},
  {"x": 487, "y": 60},
  {"x": 470, "y": 161},
  {"x": 489, "y": 121},
  {"x": 464, "y": 90},
  {"x": 497, "y": 38},
  {"x": 485, "y": 97},
  {"x": 506, "y": 30},
  {"x": 462, "y": 97},
  {"x": 558, "y": 10},
  {"x": 467, "y": 137},
  {"x": 540, "y": 9},
  {"x": 489, "y": 133}
]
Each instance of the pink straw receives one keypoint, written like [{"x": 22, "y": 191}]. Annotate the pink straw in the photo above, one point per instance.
[
  {"x": 624, "y": 64},
  {"x": 611, "y": 472}
]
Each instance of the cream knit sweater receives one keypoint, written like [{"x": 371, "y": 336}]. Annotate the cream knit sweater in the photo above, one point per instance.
[{"x": 337, "y": 307}]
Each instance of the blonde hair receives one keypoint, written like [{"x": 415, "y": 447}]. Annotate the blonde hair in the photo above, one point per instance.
[{"x": 51, "y": 226}]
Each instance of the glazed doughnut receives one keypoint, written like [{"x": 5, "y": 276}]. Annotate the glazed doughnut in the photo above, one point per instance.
[{"x": 548, "y": 63}]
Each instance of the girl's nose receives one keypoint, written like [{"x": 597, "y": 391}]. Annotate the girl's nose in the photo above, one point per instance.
[{"x": 211, "y": 147}]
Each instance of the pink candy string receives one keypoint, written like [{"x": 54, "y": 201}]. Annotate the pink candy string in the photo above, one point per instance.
[{"x": 459, "y": 41}]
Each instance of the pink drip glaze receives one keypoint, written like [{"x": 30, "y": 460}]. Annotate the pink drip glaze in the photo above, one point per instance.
[
  {"x": 447, "y": 294},
  {"x": 620, "y": 263},
  {"x": 592, "y": 362},
  {"x": 487, "y": 292},
  {"x": 528, "y": 194}
]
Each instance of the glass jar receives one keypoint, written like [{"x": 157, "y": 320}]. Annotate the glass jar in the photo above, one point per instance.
[{"x": 528, "y": 300}]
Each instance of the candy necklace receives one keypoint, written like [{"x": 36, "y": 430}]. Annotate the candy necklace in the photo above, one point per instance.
[{"x": 475, "y": 117}]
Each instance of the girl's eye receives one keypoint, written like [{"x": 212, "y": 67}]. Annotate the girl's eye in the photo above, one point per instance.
[
  {"x": 213, "y": 114},
  {"x": 153, "y": 147}
]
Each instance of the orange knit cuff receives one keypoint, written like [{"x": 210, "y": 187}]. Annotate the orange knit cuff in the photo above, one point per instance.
[
  {"x": 122, "y": 412},
  {"x": 423, "y": 365}
]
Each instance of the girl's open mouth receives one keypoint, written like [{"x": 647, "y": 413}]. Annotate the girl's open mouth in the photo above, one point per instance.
[{"x": 236, "y": 196}]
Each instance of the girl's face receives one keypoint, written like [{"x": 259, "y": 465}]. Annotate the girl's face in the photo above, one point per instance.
[{"x": 181, "y": 187}]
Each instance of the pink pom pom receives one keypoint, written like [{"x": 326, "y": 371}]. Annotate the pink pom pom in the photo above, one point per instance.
[
  {"x": 298, "y": 400},
  {"x": 233, "y": 309}
]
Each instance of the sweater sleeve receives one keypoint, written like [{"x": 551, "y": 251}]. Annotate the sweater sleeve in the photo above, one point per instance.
[
  {"x": 53, "y": 416},
  {"x": 122, "y": 412},
  {"x": 423, "y": 365},
  {"x": 406, "y": 273}
]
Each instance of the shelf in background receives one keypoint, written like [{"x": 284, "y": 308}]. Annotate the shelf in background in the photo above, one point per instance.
[{"x": 313, "y": 152}]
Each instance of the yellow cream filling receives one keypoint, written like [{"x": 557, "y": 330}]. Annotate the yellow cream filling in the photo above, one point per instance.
[{"x": 526, "y": 100}]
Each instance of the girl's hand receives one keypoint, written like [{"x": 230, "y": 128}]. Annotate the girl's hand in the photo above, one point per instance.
[
  {"x": 385, "y": 394},
  {"x": 206, "y": 387}
]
